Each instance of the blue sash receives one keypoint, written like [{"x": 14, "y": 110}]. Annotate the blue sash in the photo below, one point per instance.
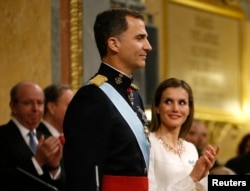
[{"x": 131, "y": 118}]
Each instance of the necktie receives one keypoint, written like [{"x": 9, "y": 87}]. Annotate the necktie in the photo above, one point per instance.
[{"x": 32, "y": 142}]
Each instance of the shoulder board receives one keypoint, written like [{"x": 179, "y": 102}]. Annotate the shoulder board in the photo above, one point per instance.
[
  {"x": 98, "y": 80},
  {"x": 134, "y": 87}
]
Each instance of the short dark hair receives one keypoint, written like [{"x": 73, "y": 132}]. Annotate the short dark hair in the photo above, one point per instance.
[
  {"x": 53, "y": 92},
  {"x": 110, "y": 23},
  {"x": 172, "y": 82}
]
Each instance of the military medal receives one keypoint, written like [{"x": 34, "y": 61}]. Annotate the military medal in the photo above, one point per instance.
[
  {"x": 118, "y": 80},
  {"x": 145, "y": 121},
  {"x": 130, "y": 95}
]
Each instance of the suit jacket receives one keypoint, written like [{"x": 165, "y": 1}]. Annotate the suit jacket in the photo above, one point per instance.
[
  {"x": 240, "y": 164},
  {"x": 15, "y": 153},
  {"x": 43, "y": 129},
  {"x": 98, "y": 141}
]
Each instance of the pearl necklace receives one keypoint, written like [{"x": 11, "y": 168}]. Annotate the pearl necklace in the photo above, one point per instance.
[{"x": 178, "y": 151}]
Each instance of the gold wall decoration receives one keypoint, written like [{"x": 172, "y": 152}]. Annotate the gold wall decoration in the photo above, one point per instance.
[
  {"x": 25, "y": 48},
  {"x": 203, "y": 46},
  {"x": 214, "y": 7},
  {"x": 76, "y": 43}
]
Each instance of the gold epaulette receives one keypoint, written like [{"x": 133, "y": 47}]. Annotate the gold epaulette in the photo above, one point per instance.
[
  {"x": 98, "y": 80},
  {"x": 134, "y": 87}
]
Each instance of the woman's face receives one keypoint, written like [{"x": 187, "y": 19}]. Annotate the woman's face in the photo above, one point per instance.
[{"x": 173, "y": 107}]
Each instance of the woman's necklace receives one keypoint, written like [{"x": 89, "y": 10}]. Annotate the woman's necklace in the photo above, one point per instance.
[{"x": 178, "y": 151}]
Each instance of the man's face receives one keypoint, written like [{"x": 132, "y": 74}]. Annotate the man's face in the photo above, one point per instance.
[
  {"x": 28, "y": 109},
  {"x": 192, "y": 135},
  {"x": 133, "y": 46},
  {"x": 202, "y": 137},
  {"x": 60, "y": 108}
]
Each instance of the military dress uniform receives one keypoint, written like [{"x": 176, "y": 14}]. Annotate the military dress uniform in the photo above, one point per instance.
[{"x": 101, "y": 151}]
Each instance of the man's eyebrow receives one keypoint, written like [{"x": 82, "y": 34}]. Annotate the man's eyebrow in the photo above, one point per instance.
[{"x": 142, "y": 35}]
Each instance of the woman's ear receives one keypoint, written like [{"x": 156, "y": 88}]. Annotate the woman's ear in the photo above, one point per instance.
[{"x": 113, "y": 44}]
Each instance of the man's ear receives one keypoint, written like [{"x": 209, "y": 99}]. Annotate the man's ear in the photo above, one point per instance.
[
  {"x": 113, "y": 44},
  {"x": 51, "y": 107},
  {"x": 13, "y": 107}
]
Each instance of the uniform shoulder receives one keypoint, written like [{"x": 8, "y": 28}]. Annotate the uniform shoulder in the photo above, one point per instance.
[
  {"x": 98, "y": 80},
  {"x": 134, "y": 87}
]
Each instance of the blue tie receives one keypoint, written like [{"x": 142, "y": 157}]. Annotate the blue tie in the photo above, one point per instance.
[{"x": 32, "y": 142}]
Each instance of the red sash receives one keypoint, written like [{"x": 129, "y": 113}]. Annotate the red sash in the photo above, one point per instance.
[{"x": 124, "y": 183}]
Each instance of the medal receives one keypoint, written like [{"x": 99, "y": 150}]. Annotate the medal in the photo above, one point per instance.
[{"x": 130, "y": 95}]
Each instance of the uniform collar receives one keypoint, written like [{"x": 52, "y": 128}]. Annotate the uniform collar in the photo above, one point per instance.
[{"x": 115, "y": 76}]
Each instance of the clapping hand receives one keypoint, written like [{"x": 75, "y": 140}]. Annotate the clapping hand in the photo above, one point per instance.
[
  {"x": 204, "y": 163},
  {"x": 49, "y": 152}
]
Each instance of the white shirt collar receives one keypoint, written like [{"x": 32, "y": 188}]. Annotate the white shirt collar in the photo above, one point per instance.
[
  {"x": 24, "y": 131},
  {"x": 116, "y": 70},
  {"x": 54, "y": 132}
]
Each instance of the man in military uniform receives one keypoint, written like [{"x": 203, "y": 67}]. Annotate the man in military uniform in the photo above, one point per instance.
[{"x": 105, "y": 127}]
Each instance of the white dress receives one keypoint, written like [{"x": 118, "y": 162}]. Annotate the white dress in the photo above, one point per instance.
[{"x": 169, "y": 171}]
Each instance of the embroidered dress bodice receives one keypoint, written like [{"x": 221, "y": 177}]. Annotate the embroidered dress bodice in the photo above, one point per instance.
[{"x": 167, "y": 168}]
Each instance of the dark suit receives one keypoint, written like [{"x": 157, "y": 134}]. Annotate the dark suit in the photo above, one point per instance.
[
  {"x": 97, "y": 136},
  {"x": 14, "y": 152},
  {"x": 240, "y": 164},
  {"x": 43, "y": 129}
]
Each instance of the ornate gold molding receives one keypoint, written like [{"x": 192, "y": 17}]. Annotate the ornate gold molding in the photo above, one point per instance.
[
  {"x": 76, "y": 43},
  {"x": 211, "y": 6}
]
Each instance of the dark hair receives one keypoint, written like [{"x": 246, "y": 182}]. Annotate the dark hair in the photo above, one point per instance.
[
  {"x": 53, "y": 92},
  {"x": 111, "y": 23},
  {"x": 242, "y": 145},
  {"x": 172, "y": 82}
]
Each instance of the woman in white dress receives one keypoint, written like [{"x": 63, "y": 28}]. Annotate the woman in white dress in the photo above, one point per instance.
[{"x": 174, "y": 163}]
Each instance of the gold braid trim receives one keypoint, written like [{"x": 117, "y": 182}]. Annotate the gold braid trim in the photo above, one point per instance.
[
  {"x": 134, "y": 87},
  {"x": 98, "y": 80}
]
